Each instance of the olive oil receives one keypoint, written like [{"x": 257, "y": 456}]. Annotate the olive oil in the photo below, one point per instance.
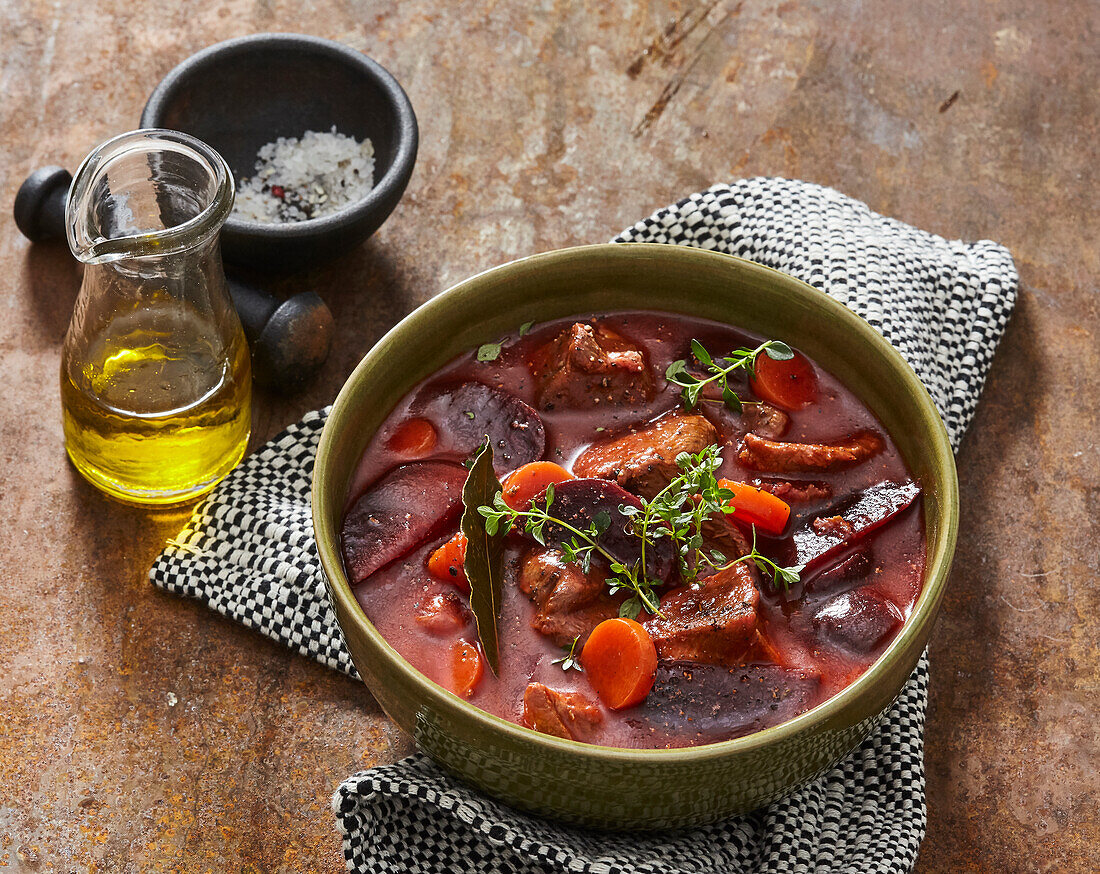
[
  {"x": 157, "y": 409},
  {"x": 155, "y": 375}
]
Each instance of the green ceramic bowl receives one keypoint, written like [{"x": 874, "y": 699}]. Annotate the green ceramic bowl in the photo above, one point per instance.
[{"x": 602, "y": 786}]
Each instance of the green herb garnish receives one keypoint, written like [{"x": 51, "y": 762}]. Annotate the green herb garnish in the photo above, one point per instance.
[
  {"x": 787, "y": 576},
  {"x": 491, "y": 351},
  {"x": 571, "y": 660},
  {"x": 720, "y": 370},
  {"x": 580, "y": 547},
  {"x": 678, "y": 513}
]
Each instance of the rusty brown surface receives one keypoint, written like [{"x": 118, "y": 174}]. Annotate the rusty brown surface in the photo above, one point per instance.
[{"x": 139, "y": 732}]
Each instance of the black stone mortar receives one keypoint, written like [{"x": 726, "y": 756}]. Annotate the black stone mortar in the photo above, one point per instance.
[{"x": 241, "y": 94}]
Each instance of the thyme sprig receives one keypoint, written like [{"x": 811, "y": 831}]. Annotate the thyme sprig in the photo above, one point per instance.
[
  {"x": 781, "y": 576},
  {"x": 676, "y": 513},
  {"x": 680, "y": 510},
  {"x": 571, "y": 661},
  {"x": 720, "y": 370},
  {"x": 579, "y": 549}
]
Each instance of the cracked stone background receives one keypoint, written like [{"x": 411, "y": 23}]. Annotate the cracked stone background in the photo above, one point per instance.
[{"x": 139, "y": 732}]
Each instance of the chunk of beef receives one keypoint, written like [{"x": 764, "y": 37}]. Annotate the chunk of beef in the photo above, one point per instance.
[
  {"x": 644, "y": 461},
  {"x": 764, "y": 420},
  {"x": 406, "y": 507},
  {"x": 589, "y": 366},
  {"x": 759, "y": 453},
  {"x": 443, "y": 613},
  {"x": 797, "y": 492},
  {"x": 694, "y": 703},
  {"x": 832, "y": 526},
  {"x": 562, "y": 714},
  {"x": 548, "y": 580},
  {"x": 714, "y": 623},
  {"x": 859, "y": 621},
  {"x": 569, "y": 602}
]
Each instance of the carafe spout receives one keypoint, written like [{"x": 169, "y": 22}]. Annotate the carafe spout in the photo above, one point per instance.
[{"x": 148, "y": 193}]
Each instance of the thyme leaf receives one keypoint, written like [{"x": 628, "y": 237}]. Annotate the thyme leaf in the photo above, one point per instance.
[{"x": 491, "y": 351}]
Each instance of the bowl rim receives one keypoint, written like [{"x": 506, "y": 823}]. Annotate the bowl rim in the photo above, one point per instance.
[
  {"x": 937, "y": 565},
  {"x": 393, "y": 180}
]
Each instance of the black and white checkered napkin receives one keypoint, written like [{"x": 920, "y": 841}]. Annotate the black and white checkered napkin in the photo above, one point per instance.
[{"x": 248, "y": 552}]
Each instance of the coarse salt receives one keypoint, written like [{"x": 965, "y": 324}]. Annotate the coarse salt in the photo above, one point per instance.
[{"x": 297, "y": 179}]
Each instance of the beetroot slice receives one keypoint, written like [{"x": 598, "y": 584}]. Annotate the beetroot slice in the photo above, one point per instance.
[
  {"x": 466, "y": 413},
  {"x": 844, "y": 573},
  {"x": 402, "y": 510},
  {"x": 579, "y": 501},
  {"x": 864, "y": 513},
  {"x": 860, "y": 621},
  {"x": 699, "y": 703}
]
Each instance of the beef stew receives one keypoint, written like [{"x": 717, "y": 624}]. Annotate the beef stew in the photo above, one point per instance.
[{"x": 820, "y": 552}]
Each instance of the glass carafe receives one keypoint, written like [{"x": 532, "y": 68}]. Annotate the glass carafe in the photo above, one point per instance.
[{"x": 155, "y": 373}]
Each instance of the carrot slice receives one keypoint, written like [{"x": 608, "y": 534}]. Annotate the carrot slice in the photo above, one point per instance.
[
  {"x": 526, "y": 483},
  {"x": 790, "y": 384},
  {"x": 466, "y": 668},
  {"x": 620, "y": 660},
  {"x": 414, "y": 439},
  {"x": 757, "y": 507},
  {"x": 447, "y": 563}
]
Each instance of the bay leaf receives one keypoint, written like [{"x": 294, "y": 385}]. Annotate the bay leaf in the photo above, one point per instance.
[{"x": 484, "y": 563}]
